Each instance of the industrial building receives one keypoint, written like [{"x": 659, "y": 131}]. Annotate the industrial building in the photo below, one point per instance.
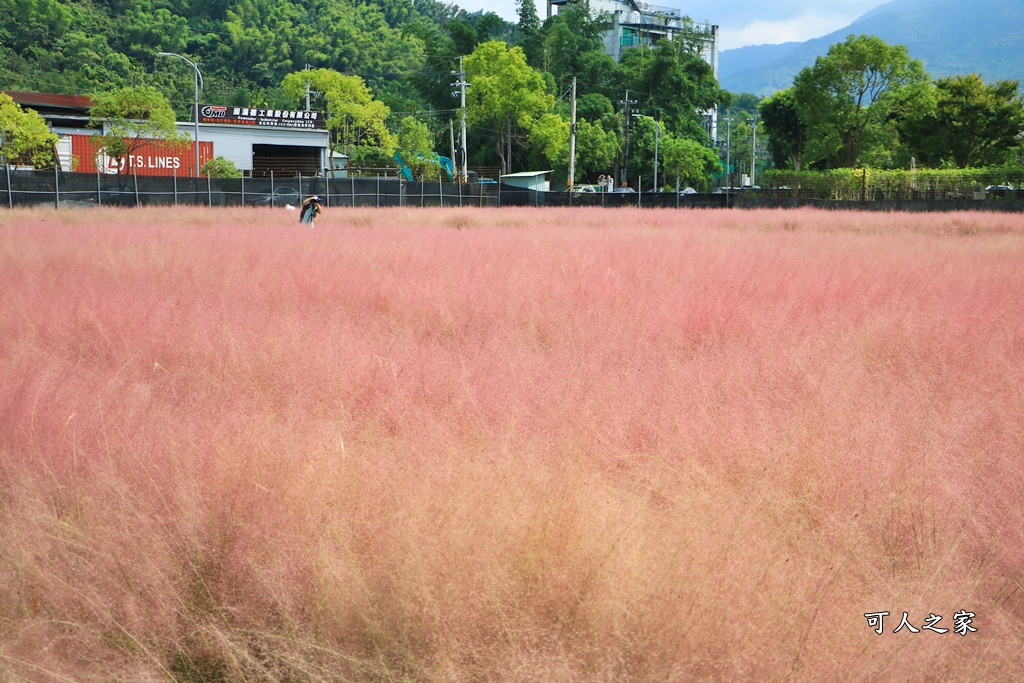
[
  {"x": 264, "y": 141},
  {"x": 259, "y": 142}
]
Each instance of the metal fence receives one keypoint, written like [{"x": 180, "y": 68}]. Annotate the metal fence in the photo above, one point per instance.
[
  {"x": 654, "y": 200},
  {"x": 22, "y": 187},
  {"x": 25, "y": 187}
]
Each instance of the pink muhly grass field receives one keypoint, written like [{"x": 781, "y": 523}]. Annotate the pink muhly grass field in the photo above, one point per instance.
[{"x": 510, "y": 445}]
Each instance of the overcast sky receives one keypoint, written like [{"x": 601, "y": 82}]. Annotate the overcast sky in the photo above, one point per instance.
[{"x": 742, "y": 22}]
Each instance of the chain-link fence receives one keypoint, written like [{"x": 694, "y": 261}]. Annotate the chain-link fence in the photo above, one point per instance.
[
  {"x": 25, "y": 187},
  {"x": 20, "y": 187},
  {"x": 861, "y": 184},
  {"x": 30, "y": 187}
]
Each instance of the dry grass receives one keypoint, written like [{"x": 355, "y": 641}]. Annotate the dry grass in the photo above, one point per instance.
[{"x": 516, "y": 445}]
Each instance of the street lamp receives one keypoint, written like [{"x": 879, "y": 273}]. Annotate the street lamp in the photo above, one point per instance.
[{"x": 195, "y": 113}]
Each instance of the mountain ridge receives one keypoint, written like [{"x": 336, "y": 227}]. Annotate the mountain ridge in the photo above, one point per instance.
[{"x": 986, "y": 37}]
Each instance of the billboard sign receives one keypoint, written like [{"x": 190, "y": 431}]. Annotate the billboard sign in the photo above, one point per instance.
[{"x": 270, "y": 118}]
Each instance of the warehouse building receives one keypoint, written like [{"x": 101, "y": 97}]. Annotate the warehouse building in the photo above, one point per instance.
[
  {"x": 259, "y": 142},
  {"x": 262, "y": 142}
]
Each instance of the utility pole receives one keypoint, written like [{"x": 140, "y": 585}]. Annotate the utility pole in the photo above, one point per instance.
[
  {"x": 728, "y": 149},
  {"x": 451, "y": 138},
  {"x": 572, "y": 138},
  {"x": 308, "y": 91},
  {"x": 624, "y": 176},
  {"x": 657, "y": 137},
  {"x": 753, "y": 151},
  {"x": 461, "y": 84},
  {"x": 462, "y": 136}
]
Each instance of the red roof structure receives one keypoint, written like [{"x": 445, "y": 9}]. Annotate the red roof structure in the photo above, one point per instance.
[{"x": 50, "y": 100}]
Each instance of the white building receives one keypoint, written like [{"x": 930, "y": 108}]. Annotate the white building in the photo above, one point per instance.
[
  {"x": 642, "y": 23},
  {"x": 528, "y": 180},
  {"x": 261, "y": 141},
  {"x": 258, "y": 141}
]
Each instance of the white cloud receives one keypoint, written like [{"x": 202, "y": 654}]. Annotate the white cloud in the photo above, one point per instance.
[
  {"x": 506, "y": 9},
  {"x": 799, "y": 28},
  {"x": 742, "y": 22}
]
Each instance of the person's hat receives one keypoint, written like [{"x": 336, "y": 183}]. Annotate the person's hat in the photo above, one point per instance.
[{"x": 316, "y": 198}]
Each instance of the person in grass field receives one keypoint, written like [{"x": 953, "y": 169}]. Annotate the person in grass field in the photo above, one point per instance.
[{"x": 310, "y": 210}]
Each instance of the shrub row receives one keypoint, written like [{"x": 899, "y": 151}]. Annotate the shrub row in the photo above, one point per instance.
[{"x": 870, "y": 183}]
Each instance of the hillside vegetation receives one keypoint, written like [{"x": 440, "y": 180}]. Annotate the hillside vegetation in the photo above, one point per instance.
[
  {"x": 244, "y": 47},
  {"x": 340, "y": 54}
]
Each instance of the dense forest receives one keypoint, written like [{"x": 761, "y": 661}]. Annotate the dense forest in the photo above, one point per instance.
[
  {"x": 384, "y": 73},
  {"x": 244, "y": 47},
  {"x": 404, "y": 51}
]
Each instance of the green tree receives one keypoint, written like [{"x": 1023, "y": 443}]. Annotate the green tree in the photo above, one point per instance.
[
  {"x": 143, "y": 30},
  {"x": 688, "y": 161},
  {"x": 787, "y": 133},
  {"x": 462, "y": 35},
  {"x": 489, "y": 26},
  {"x": 25, "y": 24},
  {"x": 594, "y": 107},
  {"x": 529, "y": 22},
  {"x": 259, "y": 39},
  {"x": 416, "y": 147},
  {"x": 741, "y": 144},
  {"x": 971, "y": 124},
  {"x": 600, "y": 74},
  {"x": 571, "y": 42},
  {"x": 680, "y": 87},
  {"x": 24, "y": 136},
  {"x": 529, "y": 30},
  {"x": 506, "y": 94},
  {"x": 549, "y": 137},
  {"x": 220, "y": 167},
  {"x": 433, "y": 81},
  {"x": 132, "y": 117},
  {"x": 744, "y": 101},
  {"x": 266, "y": 39},
  {"x": 357, "y": 120},
  {"x": 642, "y": 136},
  {"x": 854, "y": 94},
  {"x": 597, "y": 149}
]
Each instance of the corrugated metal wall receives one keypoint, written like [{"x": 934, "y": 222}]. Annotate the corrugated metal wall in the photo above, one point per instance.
[{"x": 150, "y": 158}]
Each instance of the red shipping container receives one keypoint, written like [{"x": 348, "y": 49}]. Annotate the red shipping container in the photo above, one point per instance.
[{"x": 148, "y": 158}]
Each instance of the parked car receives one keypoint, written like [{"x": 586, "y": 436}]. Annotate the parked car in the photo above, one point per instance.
[
  {"x": 586, "y": 189},
  {"x": 626, "y": 190},
  {"x": 488, "y": 181},
  {"x": 282, "y": 196}
]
